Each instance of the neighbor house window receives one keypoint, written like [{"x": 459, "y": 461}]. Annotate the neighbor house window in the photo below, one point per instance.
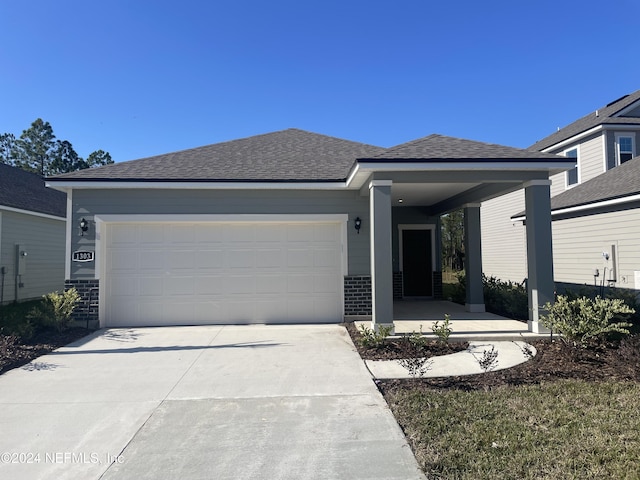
[
  {"x": 624, "y": 148},
  {"x": 572, "y": 175}
]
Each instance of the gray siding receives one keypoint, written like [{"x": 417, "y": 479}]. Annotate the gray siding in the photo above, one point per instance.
[
  {"x": 44, "y": 241},
  {"x": 87, "y": 203},
  {"x": 578, "y": 244},
  {"x": 504, "y": 246},
  {"x": 590, "y": 162}
]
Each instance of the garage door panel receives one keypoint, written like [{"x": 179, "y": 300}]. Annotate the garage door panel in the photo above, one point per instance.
[
  {"x": 123, "y": 235},
  {"x": 271, "y": 284},
  {"x": 122, "y": 260},
  {"x": 151, "y": 260},
  {"x": 299, "y": 257},
  {"x": 210, "y": 285},
  {"x": 151, "y": 286},
  {"x": 151, "y": 234},
  {"x": 222, "y": 273},
  {"x": 182, "y": 233},
  {"x": 181, "y": 259},
  {"x": 179, "y": 285},
  {"x": 240, "y": 258}
]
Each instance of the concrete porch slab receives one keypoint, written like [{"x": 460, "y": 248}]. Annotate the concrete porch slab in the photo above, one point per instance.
[{"x": 410, "y": 315}]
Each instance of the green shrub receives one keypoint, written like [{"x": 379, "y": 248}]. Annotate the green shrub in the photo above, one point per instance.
[
  {"x": 502, "y": 298},
  {"x": 370, "y": 338},
  {"x": 442, "y": 331},
  {"x": 14, "y": 320},
  {"x": 56, "y": 309},
  {"x": 583, "y": 320}
]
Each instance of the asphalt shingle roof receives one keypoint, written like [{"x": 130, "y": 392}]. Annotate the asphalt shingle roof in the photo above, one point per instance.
[
  {"x": 604, "y": 117},
  {"x": 26, "y": 191},
  {"x": 622, "y": 181},
  {"x": 442, "y": 148},
  {"x": 287, "y": 155}
]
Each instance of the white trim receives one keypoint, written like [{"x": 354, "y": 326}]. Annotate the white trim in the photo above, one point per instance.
[
  {"x": 105, "y": 184},
  {"x": 380, "y": 183},
  {"x": 616, "y": 145},
  {"x": 68, "y": 230},
  {"x": 456, "y": 166},
  {"x": 591, "y": 131},
  {"x": 417, "y": 226},
  {"x": 589, "y": 206},
  {"x": 30, "y": 212},
  {"x": 605, "y": 166},
  {"x": 577, "y": 163},
  {"x": 222, "y": 218}
]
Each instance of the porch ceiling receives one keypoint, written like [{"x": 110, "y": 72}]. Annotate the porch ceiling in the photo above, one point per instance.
[{"x": 425, "y": 194}]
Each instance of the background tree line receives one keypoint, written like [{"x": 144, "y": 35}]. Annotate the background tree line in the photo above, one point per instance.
[
  {"x": 37, "y": 150},
  {"x": 453, "y": 240}
]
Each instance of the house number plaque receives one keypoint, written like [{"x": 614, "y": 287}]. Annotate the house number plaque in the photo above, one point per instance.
[{"x": 83, "y": 256}]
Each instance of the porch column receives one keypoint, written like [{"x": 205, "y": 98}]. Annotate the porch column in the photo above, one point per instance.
[
  {"x": 539, "y": 250},
  {"x": 474, "y": 301},
  {"x": 381, "y": 260}
]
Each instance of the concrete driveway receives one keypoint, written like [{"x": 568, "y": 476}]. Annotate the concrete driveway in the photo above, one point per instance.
[{"x": 214, "y": 402}]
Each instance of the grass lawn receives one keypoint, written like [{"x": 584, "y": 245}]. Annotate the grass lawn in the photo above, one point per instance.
[{"x": 563, "y": 429}]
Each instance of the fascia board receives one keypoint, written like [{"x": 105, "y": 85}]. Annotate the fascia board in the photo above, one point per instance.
[
  {"x": 32, "y": 213},
  {"x": 102, "y": 185},
  {"x": 589, "y": 206}
]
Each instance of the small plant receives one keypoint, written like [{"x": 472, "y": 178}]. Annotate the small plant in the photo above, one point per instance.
[
  {"x": 443, "y": 332},
  {"x": 56, "y": 309},
  {"x": 583, "y": 320},
  {"x": 489, "y": 359},
  {"x": 526, "y": 349},
  {"x": 370, "y": 338},
  {"x": 417, "y": 366},
  {"x": 417, "y": 339}
]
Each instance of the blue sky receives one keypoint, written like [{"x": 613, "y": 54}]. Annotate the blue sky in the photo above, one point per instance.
[{"x": 139, "y": 78}]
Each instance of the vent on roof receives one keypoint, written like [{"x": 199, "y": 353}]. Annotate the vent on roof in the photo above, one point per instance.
[{"x": 616, "y": 101}]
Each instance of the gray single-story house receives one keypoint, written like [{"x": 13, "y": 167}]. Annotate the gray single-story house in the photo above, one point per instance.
[
  {"x": 291, "y": 226},
  {"x": 32, "y": 236}
]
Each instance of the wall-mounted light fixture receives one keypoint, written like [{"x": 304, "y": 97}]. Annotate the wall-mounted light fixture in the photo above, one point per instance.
[
  {"x": 357, "y": 223},
  {"x": 84, "y": 226}
]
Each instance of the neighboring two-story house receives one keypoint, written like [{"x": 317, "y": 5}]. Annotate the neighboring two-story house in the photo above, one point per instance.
[{"x": 595, "y": 206}]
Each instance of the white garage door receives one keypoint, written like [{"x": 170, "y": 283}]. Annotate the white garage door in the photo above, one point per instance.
[{"x": 221, "y": 273}]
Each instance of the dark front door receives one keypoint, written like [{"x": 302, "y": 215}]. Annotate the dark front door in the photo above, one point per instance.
[{"x": 416, "y": 263}]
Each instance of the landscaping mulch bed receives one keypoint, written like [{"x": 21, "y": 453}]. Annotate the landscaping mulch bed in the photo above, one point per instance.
[
  {"x": 554, "y": 361},
  {"x": 15, "y": 353}
]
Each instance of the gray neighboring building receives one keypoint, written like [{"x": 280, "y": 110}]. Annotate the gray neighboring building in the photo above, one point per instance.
[
  {"x": 290, "y": 227},
  {"x": 32, "y": 236},
  {"x": 596, "y": 221}
]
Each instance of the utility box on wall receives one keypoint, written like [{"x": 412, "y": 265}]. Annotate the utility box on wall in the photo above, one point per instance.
[{"x": 21, "y": 264}]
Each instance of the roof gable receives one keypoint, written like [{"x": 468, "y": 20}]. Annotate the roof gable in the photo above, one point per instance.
[
  {"x": 26, "y": 191},
  {"x": 288, "y": 155},
  {"x": 624, "y": 110},
  {"x": 437, "y": 147}
]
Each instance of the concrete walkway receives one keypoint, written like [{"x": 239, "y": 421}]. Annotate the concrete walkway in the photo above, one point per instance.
[
  {"x": 215, "y": 402},
  {"x": 493, "y": 355}
]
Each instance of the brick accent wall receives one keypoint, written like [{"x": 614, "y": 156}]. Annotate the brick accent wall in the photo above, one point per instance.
[
  {"x": 357, "y": 295},
  {"x": 397, "y": 284},
  {"x": 87, "y": 308},
  {"x": 437, "y": 286}
]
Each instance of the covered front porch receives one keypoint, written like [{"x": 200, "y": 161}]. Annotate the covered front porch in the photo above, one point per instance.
[
  {"x": 411, "y": 316},
  {"x": 431, "y": 177}
]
